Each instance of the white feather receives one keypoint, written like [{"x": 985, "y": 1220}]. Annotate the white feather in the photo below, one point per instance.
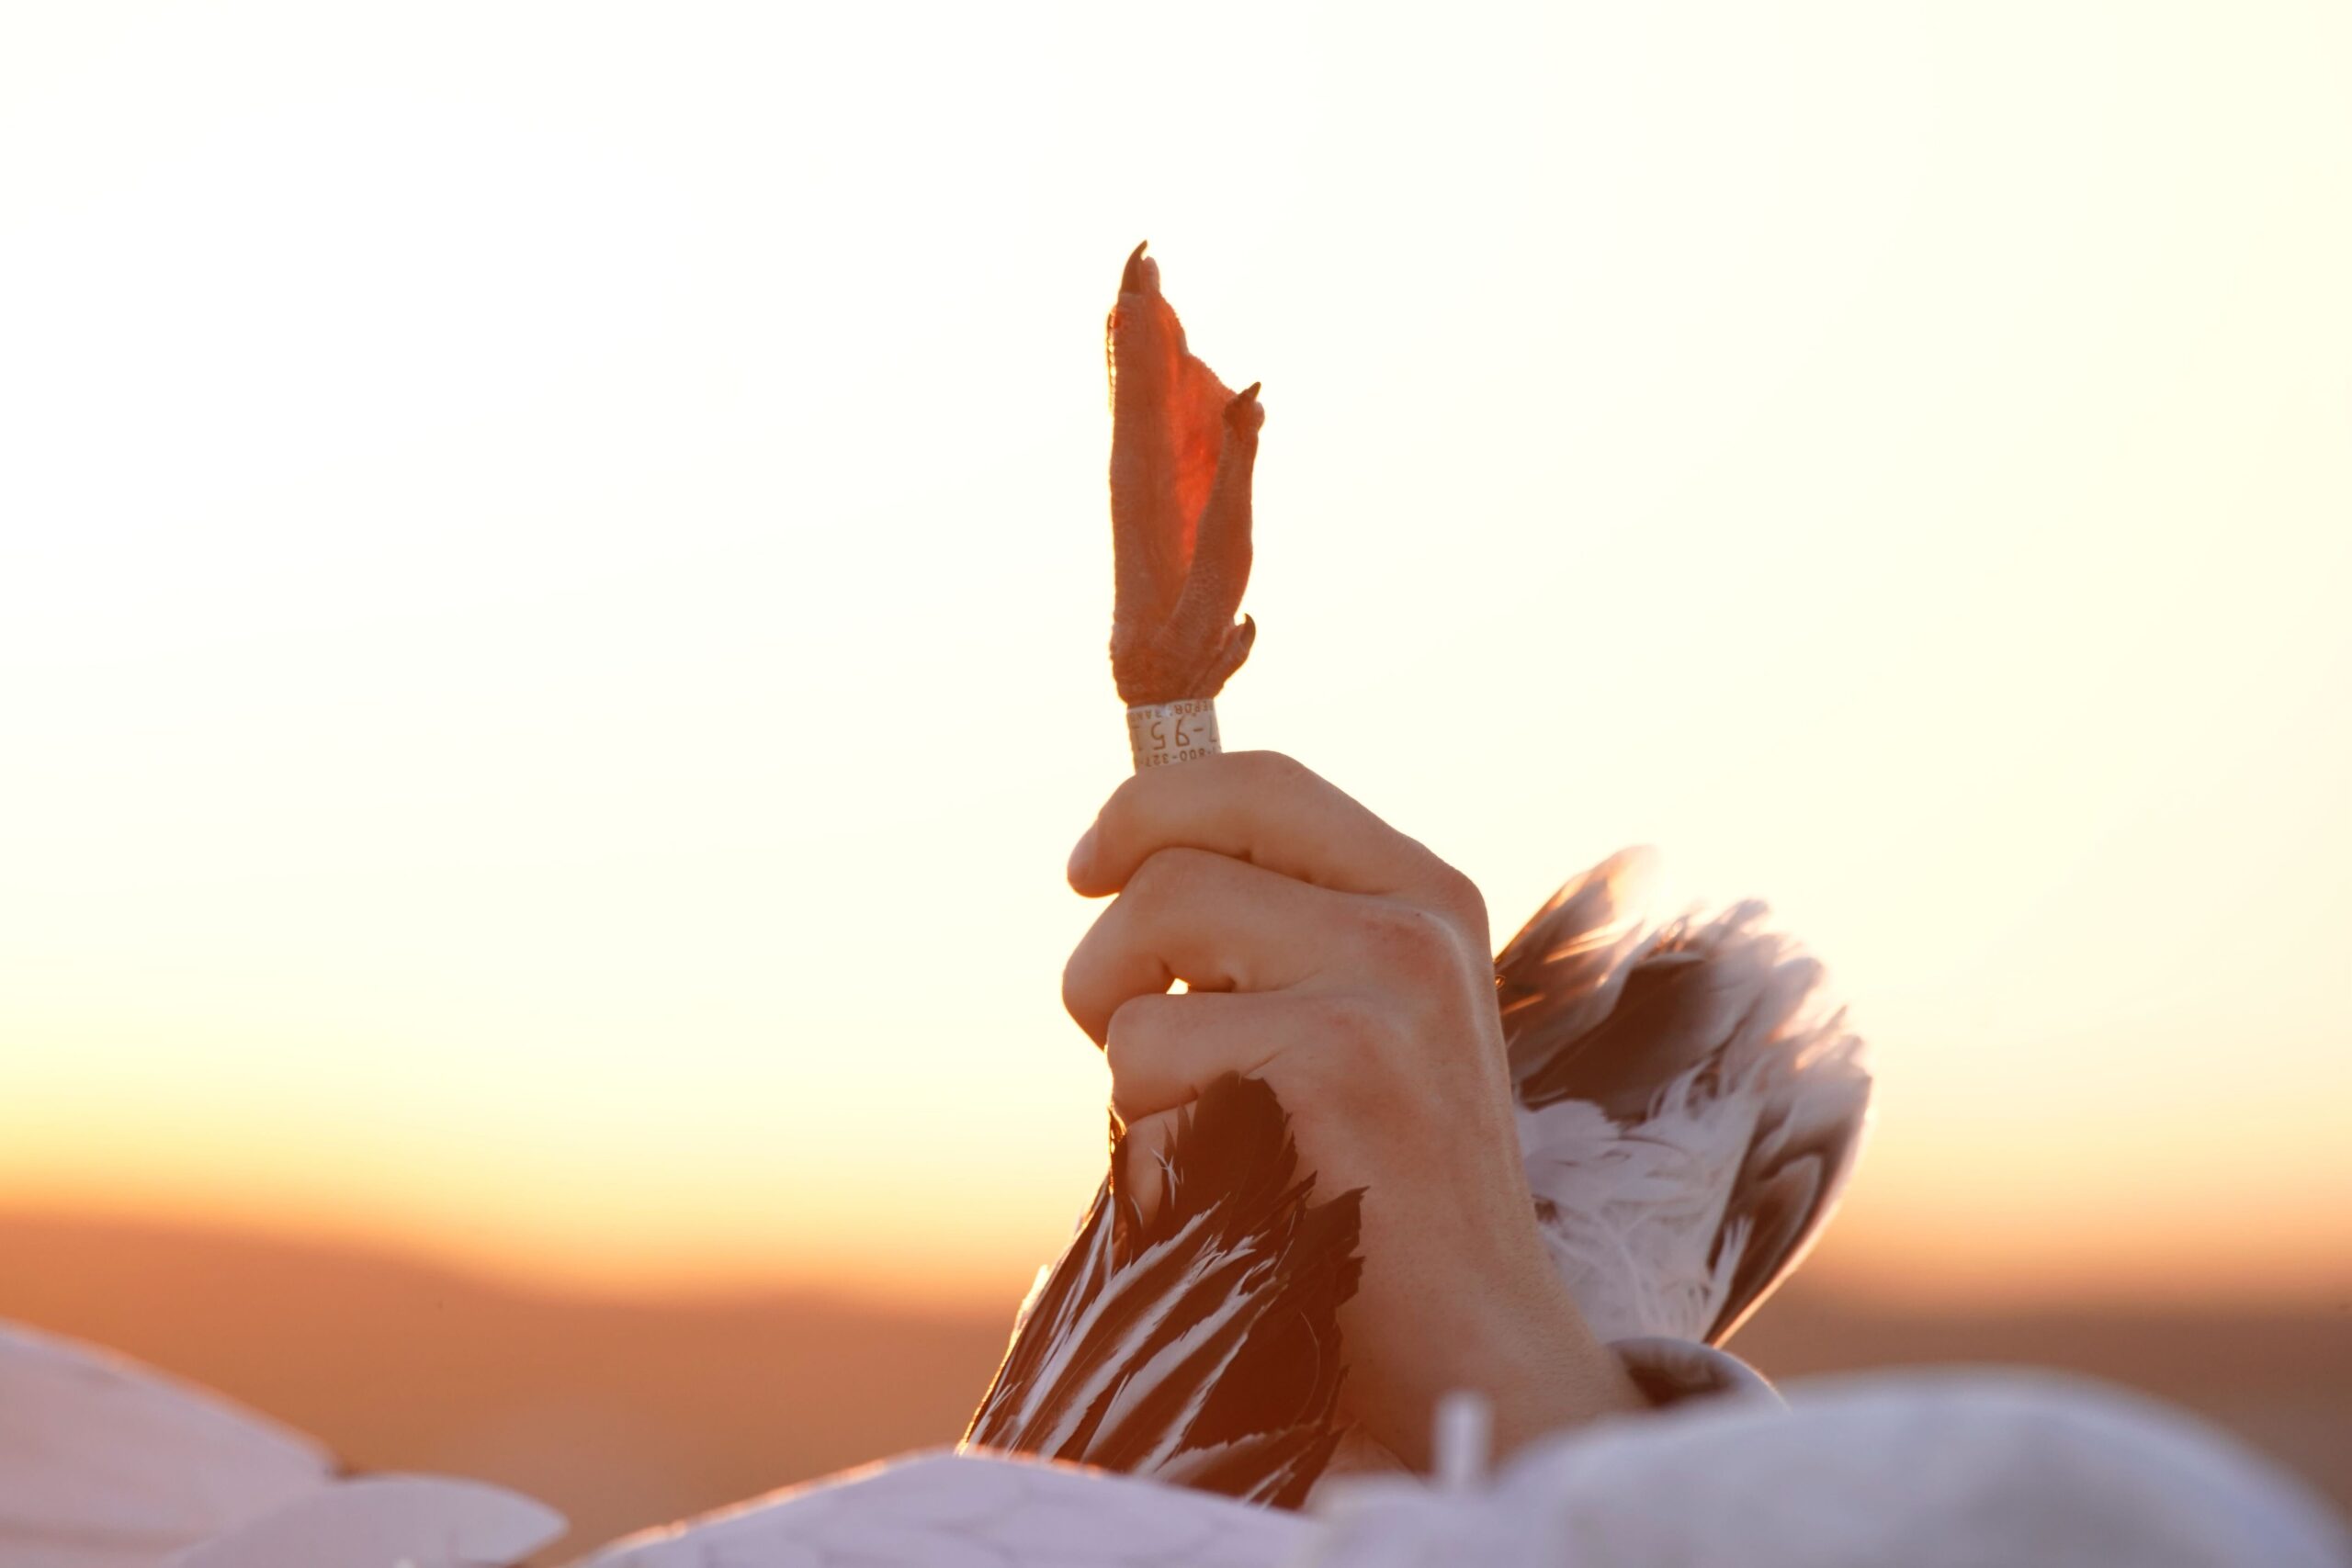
[
  {"x": 1115, "y": 1295},
  {"x": 105, "y": 1463},
  {"x": 1645, "y": 1208},
  {"x": 947, "y": 1510},
  {"x": 1929, "y": 1470},
  {"x": 108, "y": 1464},
  {"x": 387, "y": 1521},
  {"x": 1631, "y": 1214}
]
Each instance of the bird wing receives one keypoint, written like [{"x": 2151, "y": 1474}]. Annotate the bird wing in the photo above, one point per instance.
[
  {"x": 939, "y": 1510},
  {"x": 1201, "y": 1345},
  {"x": 1689, "y": 1108},
  {"x": 415, "y": 1522},
  {"x": 105, "y": 1463}
]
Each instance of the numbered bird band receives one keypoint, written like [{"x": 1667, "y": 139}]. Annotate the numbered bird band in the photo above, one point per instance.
[{"x": 1161, "y": 733}]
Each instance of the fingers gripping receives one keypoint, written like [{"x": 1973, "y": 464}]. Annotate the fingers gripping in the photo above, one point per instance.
[
  {"x": 1215, "y": 923},
  {"x": 1164, "y": 1049},
  {"x": 1263, "y": 808}
]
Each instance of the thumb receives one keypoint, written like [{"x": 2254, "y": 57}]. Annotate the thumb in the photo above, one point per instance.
[{"x": 1139, "y": 1160}]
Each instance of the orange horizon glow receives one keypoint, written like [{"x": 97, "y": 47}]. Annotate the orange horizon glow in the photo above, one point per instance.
[
  {"x": 1879, "y": 1251},
  {"x": 552, "y": 636}
]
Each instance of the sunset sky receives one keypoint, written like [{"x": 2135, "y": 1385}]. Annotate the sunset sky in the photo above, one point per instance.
[{"x": 554, "y": 575}]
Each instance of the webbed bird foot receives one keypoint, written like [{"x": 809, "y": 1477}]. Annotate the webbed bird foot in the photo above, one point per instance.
[{"x": 1182, "y": 448}]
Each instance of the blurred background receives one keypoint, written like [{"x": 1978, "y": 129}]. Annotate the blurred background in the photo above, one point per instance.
[{"x": 553, "y": 586}]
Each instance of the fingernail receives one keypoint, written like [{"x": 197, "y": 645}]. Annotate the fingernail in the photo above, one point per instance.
[{"x": 1083, "y": 856}]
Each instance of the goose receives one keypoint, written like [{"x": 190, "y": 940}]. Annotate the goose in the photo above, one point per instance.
[{"x": 1688, "y": 1107}]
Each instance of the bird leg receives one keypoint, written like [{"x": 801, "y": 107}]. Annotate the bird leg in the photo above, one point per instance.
[{"x": 1182, "y": 447}]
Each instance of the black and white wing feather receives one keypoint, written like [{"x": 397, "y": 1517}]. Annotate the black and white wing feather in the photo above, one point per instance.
[
  {"x": 1200, "y": 1345},
  {"x": 1689, "y": 1108}
]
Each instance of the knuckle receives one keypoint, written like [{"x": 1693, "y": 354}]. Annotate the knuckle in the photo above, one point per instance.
[
  {"x": 1271, "y": 769},
  {"x": 1166, "y": 873},
  {"x": 1083, "y": 977},
  {"x": 1132, "y": 1109},
  {"x": 1460, "y": 898},
  {"x": 1415, "y": 944},
  {"x": 1126, "y": 1038},
  {"x": 1460, "y": 895}
]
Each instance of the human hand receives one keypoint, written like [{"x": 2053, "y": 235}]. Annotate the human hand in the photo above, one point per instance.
[{"x": 1347, "y": 966}]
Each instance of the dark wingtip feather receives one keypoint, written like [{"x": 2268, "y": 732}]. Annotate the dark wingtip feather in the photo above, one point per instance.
[{"x": 1227, "y": 1298}]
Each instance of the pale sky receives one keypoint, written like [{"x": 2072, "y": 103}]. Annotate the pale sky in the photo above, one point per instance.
[{"x": 554, "y": 575}]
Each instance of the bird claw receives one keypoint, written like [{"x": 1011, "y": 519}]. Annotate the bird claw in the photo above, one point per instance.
[
  {"x": 1142, "y": 272},
  {"x": 1182, "y": 450}
]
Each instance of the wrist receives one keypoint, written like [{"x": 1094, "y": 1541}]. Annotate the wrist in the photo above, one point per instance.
[
  {"x": 1524, "y": 1348},
  {"x": 1547, "y": 1370}
]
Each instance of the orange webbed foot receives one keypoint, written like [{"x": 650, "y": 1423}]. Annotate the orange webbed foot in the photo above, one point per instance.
[{"x": 1182, "y": 448}]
